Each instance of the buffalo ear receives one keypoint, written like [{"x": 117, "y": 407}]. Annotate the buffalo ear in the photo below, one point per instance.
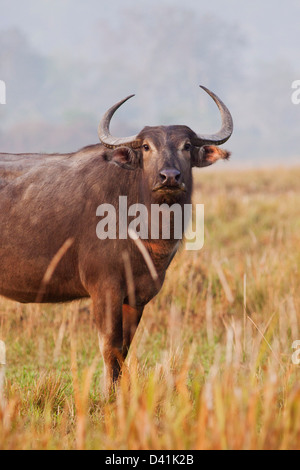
[
  {"x": 208, "y": 154},
  {"x": 125, "y": 157}
]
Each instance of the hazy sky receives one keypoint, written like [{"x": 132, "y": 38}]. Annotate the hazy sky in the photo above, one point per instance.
[
  {"x": 96, "y": 35},
  {"x": 272, "y": 26}
]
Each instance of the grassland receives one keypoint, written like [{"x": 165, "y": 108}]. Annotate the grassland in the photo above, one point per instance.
[{"x": 211, "y": 366}]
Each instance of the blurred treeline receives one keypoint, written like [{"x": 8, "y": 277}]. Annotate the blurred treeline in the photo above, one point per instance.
[{"x": 55, "y": 101}]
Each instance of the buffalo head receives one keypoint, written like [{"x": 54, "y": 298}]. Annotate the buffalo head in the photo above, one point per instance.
[{"x": 167, "y": 153}]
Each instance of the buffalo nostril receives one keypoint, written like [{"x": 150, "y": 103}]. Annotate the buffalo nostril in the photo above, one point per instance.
[
  {"x": 163, "y": 176},
  {"x": 169, "y": 175}
]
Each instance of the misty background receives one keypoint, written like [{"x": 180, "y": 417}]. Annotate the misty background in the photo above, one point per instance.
[{"x": 65, "y": 62}]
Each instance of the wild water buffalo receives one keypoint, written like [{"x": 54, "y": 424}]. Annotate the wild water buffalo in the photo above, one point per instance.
[{"x": 49, "y": 206}]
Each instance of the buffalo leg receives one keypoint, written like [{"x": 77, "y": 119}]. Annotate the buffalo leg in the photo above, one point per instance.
[
  {"x": 131, "y": 319},
  {"x": 108, "y": 317}
]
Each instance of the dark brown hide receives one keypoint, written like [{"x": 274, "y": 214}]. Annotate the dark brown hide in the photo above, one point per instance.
[{"x": 48, "y": 199}]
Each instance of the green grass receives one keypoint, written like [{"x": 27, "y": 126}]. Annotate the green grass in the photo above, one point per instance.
[{"x": 210, "y": 366}]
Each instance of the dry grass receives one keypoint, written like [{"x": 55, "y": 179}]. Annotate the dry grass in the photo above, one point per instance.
[{"x": 211, "y": 364}]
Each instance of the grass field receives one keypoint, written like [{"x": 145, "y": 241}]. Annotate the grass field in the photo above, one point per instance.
[{"x": 211, "y": 366}]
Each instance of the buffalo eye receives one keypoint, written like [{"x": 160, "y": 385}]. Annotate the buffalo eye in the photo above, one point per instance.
[
  {"x": 187, "y": 146},
  {"x": 146, "y": 147}
]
